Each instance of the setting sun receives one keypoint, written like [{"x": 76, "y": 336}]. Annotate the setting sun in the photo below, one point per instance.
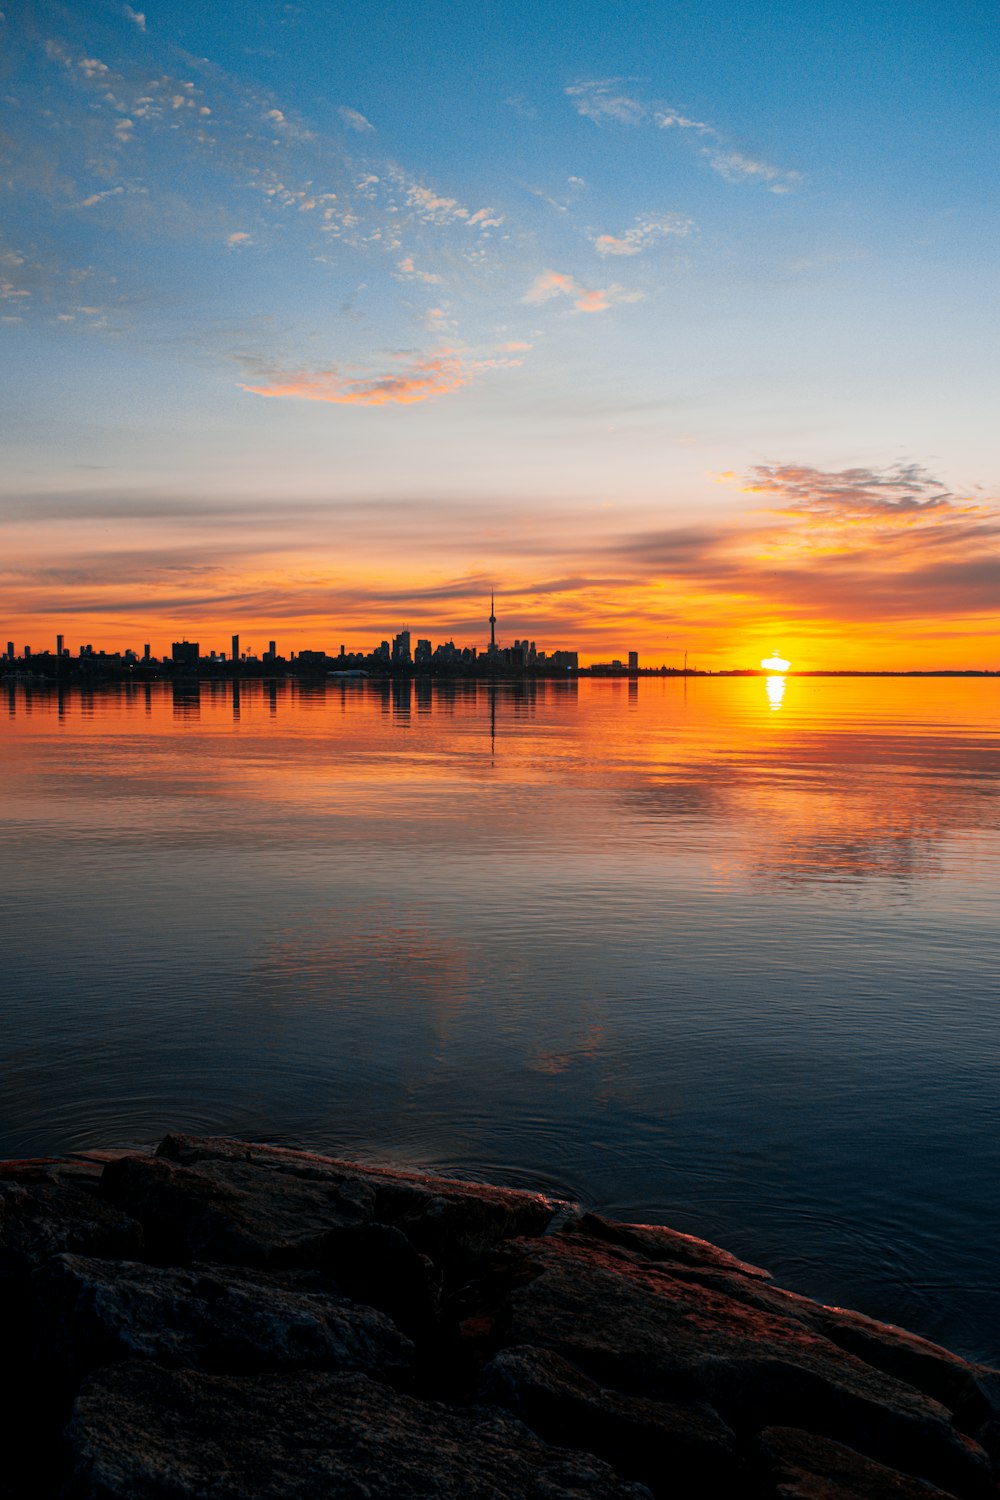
[{"x": 775, "y": 663}]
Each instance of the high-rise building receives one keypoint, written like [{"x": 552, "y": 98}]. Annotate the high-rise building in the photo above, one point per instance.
[
  {"x": 59, "y": 645},
  {"x": 10, "y": 650},
  {"x": 633, "y": 662},
  {"x": 422, "y": 655},
  {"x": 185, "y": 653},
  {"x": 236, "y": 648},
  {"x": 401, "y": 649},
  {"x": 145, "y": 651},
  {"x": 272, "y": 650}
]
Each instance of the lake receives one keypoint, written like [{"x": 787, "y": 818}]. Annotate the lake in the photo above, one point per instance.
[{"x": 718, "y": 953}]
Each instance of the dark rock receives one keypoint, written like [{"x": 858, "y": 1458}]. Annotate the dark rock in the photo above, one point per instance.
[
  {"x": 634, "y": 1327},
  {"x": 449, "y": 1221},
  {"x": 142, "y": 1433},
  {"x": 233, "y": 1212},
  {"x": 801, "y": 1466},
  {"x": 48, "y": 1207},
  {"x": 669, "y": 1246},
  {"x": 94, "y": 1311},
  {"x": 676, "y": 1450},
  {"x": 249, "y": 1321}
]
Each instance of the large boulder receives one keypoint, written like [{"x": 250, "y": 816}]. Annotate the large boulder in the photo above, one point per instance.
[
  {"x": 635, "y": 1326},
  {"x": 92, "y": 1312}
]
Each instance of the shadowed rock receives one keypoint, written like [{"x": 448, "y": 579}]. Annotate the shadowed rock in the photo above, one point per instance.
[
  {"x": 224, "y": 1321},
  {"x": 141, "y": 1433},
  {"x": 801, "y": 1466},
  {"x": 208, "y": 1318},
  {"x": 685, "y": 1449}
]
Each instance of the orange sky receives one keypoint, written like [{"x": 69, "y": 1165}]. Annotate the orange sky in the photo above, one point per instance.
[{"x": 859, "y": 568}]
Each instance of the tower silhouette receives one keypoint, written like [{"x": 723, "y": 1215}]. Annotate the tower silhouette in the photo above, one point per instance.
[{"x": 493, "y": 622}]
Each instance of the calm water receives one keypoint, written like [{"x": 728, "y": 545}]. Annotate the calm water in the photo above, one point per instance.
[{"x": 694, "y": 954}]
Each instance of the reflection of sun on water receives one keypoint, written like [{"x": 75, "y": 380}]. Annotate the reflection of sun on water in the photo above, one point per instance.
[
  {"x": 775, "y": 690},
  {"x": 775, "y": 684}
]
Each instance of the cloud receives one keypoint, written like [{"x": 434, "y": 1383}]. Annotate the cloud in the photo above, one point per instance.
[
  {"x": 643, "y": 233},
  {"x": 94, "y": 198},
  {"x": 408, "y": 268},
  {"x": 354, "y": 119},
  {"x": 437, "y": 375},
  {"x": 602, "y": 99},
  {"x": 136, "y": 16},
  {"x": 736, "y": 166},
  {"x": 521, "y": 106},
  {"x": 900, "y": 490},
  {"x": 239, "y": 237},
  {"x": 552, "y": 284}
]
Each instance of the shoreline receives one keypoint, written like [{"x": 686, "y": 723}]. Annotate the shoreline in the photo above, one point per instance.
[{"x": 245, "y": 1321}]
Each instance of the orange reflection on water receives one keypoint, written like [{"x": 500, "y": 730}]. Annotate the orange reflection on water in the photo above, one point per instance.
[{"x": 853, "y": 778}]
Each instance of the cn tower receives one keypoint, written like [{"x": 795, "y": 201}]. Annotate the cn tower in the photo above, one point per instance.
[{"x": 493, "y": 622}]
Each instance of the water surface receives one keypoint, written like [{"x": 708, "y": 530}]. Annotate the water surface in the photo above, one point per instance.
[{"x": 720, "y": 954}]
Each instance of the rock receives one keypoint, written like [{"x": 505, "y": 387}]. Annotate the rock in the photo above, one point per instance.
[
  {"x": 207, "y": 1318},
  {"x": 683, "y": 1450},
  {"x": 230, "y": 1321},
  {"x": 142, "y": 1433},
  {"x": 449, "y": 1221},
  {"x": 633, "y": 1327},
  {"x": 48, "y": 1207},
  {"x": 668, "y": 1246},
  {"x": 233, "y": 1213},
  {"x": 801, "y": 1466}
]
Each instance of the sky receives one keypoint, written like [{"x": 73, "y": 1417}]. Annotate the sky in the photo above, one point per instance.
[{"x": 675, "y": 324}]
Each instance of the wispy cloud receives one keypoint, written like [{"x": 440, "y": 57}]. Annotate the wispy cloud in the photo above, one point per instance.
[
  {"x": 904, "y": 490},
  {"x": 601, "y": 99},
  {"x": 606, "y": 99},
  {"x": 521, "y": 106},
  {"x": 551, "y": 284},
  {"x": 643, "y": 233},
  {"x": 354, "y": 119},
  {"x": 136, "y": 16},
  {"x": 437, "y": 375}
]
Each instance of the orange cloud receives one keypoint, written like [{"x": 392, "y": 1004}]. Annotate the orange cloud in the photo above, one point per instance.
[
  {"x": 438, "y": 375},
  {"x": 585, "y": 299}
]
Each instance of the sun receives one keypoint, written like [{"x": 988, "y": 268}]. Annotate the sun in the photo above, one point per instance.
[{"x": 775, "y": 663}]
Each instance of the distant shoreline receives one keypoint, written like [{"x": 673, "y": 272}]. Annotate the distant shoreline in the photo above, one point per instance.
[{"x": 97, "y": 673}]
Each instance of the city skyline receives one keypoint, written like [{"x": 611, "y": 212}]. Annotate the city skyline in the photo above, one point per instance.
[{"x": 674, "y": 326}]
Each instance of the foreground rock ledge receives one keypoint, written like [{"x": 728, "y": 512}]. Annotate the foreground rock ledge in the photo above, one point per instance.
[{"x": 226, "y": 1321}]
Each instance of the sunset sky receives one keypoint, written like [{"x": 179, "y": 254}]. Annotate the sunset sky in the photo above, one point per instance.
[{"x": 675, "y": 323}]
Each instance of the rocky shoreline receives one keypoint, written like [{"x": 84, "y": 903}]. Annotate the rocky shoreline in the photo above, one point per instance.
[{"x": 228, "y": 1321}]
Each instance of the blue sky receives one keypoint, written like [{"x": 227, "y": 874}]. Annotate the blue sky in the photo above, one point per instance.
[{"x": 532, "y": 281}]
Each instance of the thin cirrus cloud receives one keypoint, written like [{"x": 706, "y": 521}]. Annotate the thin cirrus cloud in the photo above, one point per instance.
[
  {"x": 605, "y": 100},
  {"x": 355, "y": 120},
  {"x": 551, "y": 284}
]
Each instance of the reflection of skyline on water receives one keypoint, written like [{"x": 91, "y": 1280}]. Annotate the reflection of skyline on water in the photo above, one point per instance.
[
  {"x": 844, "y": 801},
  {"x": 649, "y": 943}
]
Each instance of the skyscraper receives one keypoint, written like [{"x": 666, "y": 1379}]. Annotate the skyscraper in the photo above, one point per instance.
[{"x": 236, "y": 648}]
